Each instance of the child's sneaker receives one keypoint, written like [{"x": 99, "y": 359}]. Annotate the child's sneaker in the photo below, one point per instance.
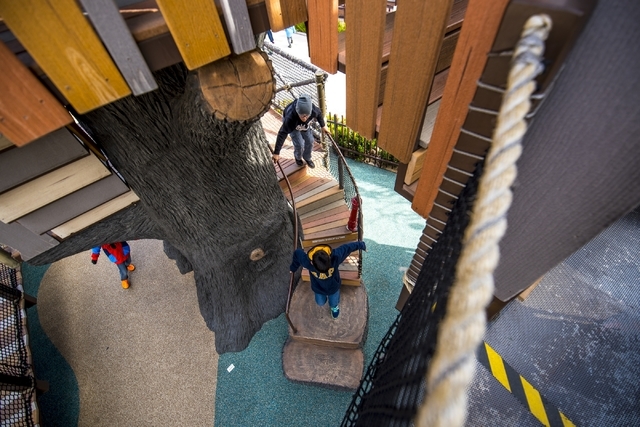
[
  {"x": 335, "y": 312},
  {"x": 131, "y": 267},
  {"x": 125, "y": 284}
]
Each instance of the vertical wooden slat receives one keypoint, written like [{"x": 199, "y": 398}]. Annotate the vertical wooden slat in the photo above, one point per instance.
[
  {"x": 286, "y": 13},
  {"x": 28, "y": 110},
  {"x": 236, "y": 16},
  {"x": 115, "y": 34},
  {"x": 197, "y": 30},
  {"x": 364, "y": 39},
  {"x": 323, "y": 34},
  {"x": 62, "y": 42},
  {"x": 415, "y": 49},
  {"x": 481, "y": 24}
]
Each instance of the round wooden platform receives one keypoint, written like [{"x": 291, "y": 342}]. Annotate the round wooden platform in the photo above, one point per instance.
[{"x": 315, "y": 324}]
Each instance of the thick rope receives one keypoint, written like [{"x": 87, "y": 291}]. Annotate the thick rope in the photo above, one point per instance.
[{"x": 462, "y": 330}]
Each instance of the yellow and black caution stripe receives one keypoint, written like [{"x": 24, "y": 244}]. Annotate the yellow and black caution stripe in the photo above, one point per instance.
[{"x": 522, "y": 389}]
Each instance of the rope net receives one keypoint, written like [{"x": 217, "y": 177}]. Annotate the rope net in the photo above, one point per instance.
[
  {"x": 443, "y": 320},
  {"x": 393, "y": 386},
  {"x": 17, "y": 383}
]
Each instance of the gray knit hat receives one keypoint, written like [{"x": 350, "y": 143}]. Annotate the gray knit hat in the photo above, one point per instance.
[{"x": 303, "y": 106}]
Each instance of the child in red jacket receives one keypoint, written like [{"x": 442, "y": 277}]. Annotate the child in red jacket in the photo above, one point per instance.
[{"x": 120, "y": 254}]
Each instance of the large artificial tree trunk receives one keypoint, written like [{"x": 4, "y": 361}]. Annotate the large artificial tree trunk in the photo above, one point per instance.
[{"x": 195, "y": 153}]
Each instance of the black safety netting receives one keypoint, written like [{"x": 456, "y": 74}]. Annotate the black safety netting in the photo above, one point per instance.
[
  {"x": 393, "y": 387},
  {"x": 17, "y": 383}
]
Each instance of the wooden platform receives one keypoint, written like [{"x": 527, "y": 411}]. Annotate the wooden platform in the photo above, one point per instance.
[
  {"x": 335, "y": 368},
  {"x": 315, "y": 324},
  {"x": 324, "y": 351}
]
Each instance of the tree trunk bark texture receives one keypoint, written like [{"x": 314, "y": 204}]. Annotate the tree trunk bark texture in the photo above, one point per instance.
[{"x": 207, "y": 185}]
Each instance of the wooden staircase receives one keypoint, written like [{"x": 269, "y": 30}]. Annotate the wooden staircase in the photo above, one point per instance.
[{"x": 323, "y": 351}]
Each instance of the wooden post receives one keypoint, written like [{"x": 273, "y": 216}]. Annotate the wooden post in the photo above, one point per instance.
[
  {"x": 363, "y": 58},
  {"x": 415, "y": 50}
]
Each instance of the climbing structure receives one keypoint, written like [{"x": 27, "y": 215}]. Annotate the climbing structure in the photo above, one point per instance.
[{"x": 322, "y": 350}]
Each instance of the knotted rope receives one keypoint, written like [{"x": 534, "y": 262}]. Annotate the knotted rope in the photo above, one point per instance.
[{"x": 463, "y": 327}]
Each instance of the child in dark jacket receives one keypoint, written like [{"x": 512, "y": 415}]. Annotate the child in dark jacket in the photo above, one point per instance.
[
  {"x": 322, "y": 263},
  {"x": 120, "y": 254}
]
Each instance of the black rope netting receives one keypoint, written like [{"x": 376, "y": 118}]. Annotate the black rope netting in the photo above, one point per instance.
[
  {"x": 393, "y": 388},
  {"x": 294, "y": 77},
  {"x": 17, "y": 383}
]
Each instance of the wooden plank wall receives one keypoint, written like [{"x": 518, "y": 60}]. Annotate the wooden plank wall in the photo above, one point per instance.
[
  {"x": 197, "y": 31},
  {"x": 28, "y": 110},
  {"x": 238, "y": 23},
  {"x": 60, "y": 39},
  {"x": 476, "y": 38},
  {"x": 322, "y": 31},
  {"x": 19, "y": 165},
  {"x": 50, "y": 187},
  {"x": 363, "y": 56},
  {"x": 414, "y": 55},
  {"x": 286, "y": 13}
]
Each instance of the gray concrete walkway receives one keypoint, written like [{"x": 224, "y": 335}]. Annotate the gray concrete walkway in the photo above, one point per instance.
[{"x": 142, "y": 356}]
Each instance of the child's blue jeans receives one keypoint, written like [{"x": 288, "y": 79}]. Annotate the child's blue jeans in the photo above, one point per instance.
[
  {"x": 334, "y": 299},
  {"x": 122, "y": 267}
]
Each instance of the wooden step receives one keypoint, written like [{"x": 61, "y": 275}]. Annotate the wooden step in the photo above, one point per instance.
[
  {"x": 319, "y": 189},
  {"x": 327, "y": 219},
  {"x": 315, "y": 206},
  {"x": 294, "y": 180},
  {"x": 315, "y": 325},
  {"x": 326, "y": 207},
  {"x": 348, "y": 271},
  {"x": 339, "y": 234},
  {"x": 335, "y": 368},
  {"x": 292, "y": 170}
]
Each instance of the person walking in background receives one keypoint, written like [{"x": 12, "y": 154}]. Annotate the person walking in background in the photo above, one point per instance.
[
  {"x": 270, "y": 36},
  {"x": 289, "y": 32},
  {"x": 120, "y": 254},
  {"x": 296, "y": 118},
  {"x": 322, "y": 263}
]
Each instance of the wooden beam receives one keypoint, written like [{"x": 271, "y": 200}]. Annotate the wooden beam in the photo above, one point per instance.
[
  {"x": 28, "y": 111},
  {"x": 24, "y": 241},
  {"x": 322, "y": 31},
  {"x": 113, "y": 31},
  {"x": 414, "y": 167},
  {"x": 197, "y": 31},
  {"x": 73, "y": 205},
  {"x": 62, "y": 42},
  {"x": 524, "y": 294},
  {"x": 52, "y": 186},
  {"x": 236, "y": 17},
  {"x": 94, "y": 215},
  {"x": 5, "y": 143},
  {"x": 286, "y": 13},
  {"x": 481, "y": 24},
  {"x": 414, "y": 55},
  {"x": 19, "y": 165},
  {"x": 364, "y": 39}
]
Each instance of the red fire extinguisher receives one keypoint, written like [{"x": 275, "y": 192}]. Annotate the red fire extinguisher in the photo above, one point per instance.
[{"x": 352, "y": 225}]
